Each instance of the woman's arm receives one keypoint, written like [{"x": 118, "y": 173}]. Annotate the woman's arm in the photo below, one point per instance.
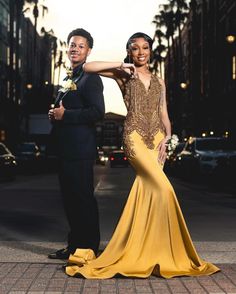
[
  {"x": 118, "y": 71},
  {"x": 164, "y": 112},
  {"x": 104, "y": 68},
  {"x": 166, "y": 122}
]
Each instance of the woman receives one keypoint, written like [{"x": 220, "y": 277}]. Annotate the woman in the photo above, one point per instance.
[{"x": 151, "y": 236}]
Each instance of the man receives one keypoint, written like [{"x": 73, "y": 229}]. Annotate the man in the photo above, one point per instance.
[{"x": 78, "y": 106}]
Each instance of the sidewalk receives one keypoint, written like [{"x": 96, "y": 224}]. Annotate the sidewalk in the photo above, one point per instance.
[
  {"x": 38, "y": 278},
  {"x": 24, "y": 268}
]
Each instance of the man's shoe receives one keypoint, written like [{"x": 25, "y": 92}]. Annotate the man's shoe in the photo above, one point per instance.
[
  {"x": 63, "y": 267},
  {"x": 60, "y": 254}
]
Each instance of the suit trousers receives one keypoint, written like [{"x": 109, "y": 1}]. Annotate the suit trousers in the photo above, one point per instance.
[{"x": 77, "y": 189}]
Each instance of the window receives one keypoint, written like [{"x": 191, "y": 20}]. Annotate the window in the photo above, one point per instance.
[
  {"x": 8, "y": 55},
  {"x": 19, "y": 63},
  {"x": 14, "y": 60},
  {"x": 234, "y": 67},
  {"x": 8, "y": 22},
  {"x": 184, "y": 49},
  {"x": 8, "y": 89},
  {"x": 20, "y": 36},
  {"x": 14, "y": 29}
]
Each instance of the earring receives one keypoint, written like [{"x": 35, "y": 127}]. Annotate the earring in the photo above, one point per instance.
[{"x": 129, "y": 58}]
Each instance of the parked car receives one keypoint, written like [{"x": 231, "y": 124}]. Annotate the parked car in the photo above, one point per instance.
[
  {"x": 7, "y": 163},
  {"x": 118, "y": 158},
  {"x": 207, "y": 156},
  {"x": 28, "y": 154},
  {"x": 172, "y": 161}
]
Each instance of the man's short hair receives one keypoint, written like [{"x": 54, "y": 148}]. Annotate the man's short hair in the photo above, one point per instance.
[{"x": 82, "y": 33}]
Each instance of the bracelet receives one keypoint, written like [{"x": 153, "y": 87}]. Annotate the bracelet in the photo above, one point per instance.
[{"x": 121, "y": 66}]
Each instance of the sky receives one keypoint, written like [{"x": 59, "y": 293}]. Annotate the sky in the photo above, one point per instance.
[{"x": 110, "y": 22}]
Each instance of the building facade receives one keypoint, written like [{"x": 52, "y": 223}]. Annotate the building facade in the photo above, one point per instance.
[
  {"x": 202, "y": 86},
  {"x": 4, "y": 63},
  {"x": 25, "y": 71},
  {"x": 110, "y": 131}
]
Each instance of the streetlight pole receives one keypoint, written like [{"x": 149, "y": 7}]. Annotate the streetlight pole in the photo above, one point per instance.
[{"x": 231, "y": 41}]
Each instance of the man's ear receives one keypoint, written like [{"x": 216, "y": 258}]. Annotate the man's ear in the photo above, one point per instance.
[{"x": 89, "y": 51}]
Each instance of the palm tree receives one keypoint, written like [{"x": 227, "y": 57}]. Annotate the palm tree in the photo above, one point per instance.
[
  {"x": 170, "y": 19},
  {"x": 164, "y": 21},
  {"x": 36, "y": 15},
  {"x": 51, "y": 40},
  {"x": 181, "y": 11},
  {"x": 158, "y": 51},
  {"x": 172, "y": 16},
  {"x": 60, "y": 63},
  {"x": 50, "y": 37}
]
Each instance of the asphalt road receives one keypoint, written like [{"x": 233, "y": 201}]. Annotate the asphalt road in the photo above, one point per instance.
[{"x": 31, "y": 212}]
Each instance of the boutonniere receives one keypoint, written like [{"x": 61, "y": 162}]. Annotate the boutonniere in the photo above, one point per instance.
[{"x": 69, "y": 84}]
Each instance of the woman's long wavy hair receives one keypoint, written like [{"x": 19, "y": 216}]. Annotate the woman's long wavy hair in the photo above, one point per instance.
[{"x": 128, "y": 58}]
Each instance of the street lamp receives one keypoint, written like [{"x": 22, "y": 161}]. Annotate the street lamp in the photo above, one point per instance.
[
  {"x": 29, "y": 86},
  {"x": 230, "y": 39},
  {"x": 226, "y": 134},
  {"x": 183, "y": 85}
]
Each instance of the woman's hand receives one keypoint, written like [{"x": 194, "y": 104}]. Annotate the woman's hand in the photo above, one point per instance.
[
  {"x": 129, "y": 68},
  {"x": 162, "y": 150}
]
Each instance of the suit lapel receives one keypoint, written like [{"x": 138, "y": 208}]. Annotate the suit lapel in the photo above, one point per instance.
[
  {"x": 76, "y": 79},
  {"x": 61, "y": 95}
]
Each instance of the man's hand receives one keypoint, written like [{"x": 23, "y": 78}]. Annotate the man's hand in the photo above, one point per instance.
[{"x": 56, "y": 113}]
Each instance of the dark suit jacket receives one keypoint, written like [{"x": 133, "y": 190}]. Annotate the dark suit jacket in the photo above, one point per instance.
[{"x": 75, "y": 134}]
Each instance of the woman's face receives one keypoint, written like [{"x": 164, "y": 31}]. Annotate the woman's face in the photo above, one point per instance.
[{"x": 140, "y": 51}]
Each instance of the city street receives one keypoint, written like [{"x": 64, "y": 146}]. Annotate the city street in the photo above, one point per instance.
[
  {"x": 32, "y": 221},
  {"x": 31, "y": 208},
  {"x": 169, "y": 87}
]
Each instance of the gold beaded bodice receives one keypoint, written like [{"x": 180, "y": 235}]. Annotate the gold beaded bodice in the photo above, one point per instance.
[{"x": 144, "y": 110}]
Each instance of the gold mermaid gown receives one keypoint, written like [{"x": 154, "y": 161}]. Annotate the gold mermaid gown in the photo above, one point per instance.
[{"x": 151, "y": 237}]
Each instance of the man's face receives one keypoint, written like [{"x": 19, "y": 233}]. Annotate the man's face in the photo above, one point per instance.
[{"x": 78, "y": 50}]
